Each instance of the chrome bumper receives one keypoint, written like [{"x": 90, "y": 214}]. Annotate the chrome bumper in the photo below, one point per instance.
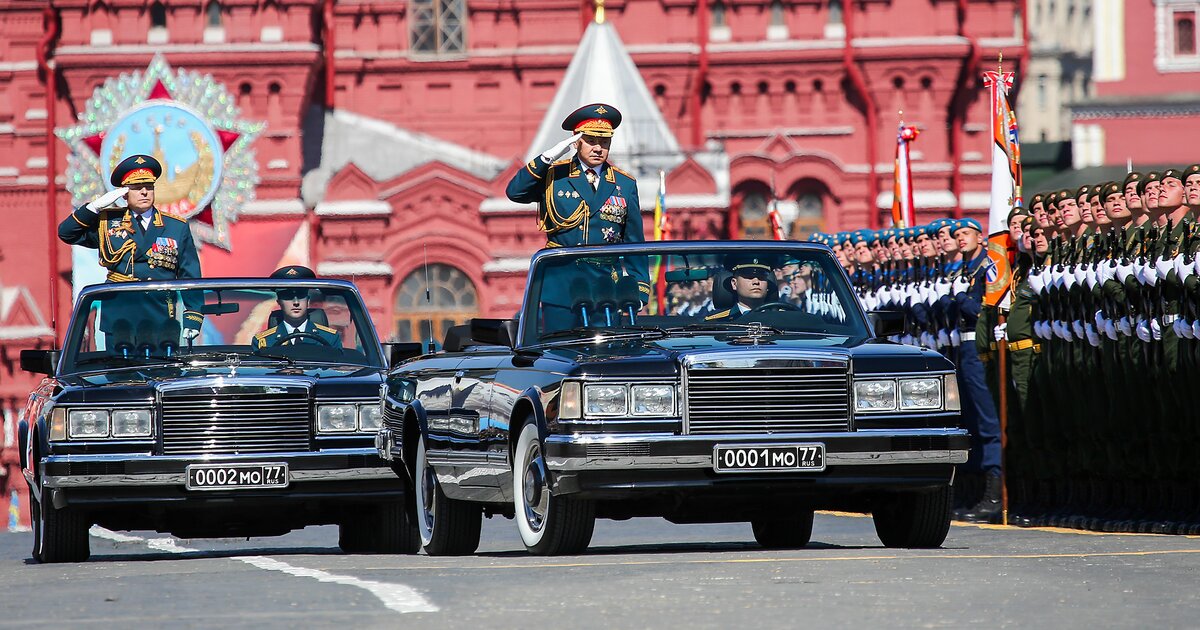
[
  {"x": 148, "y": 471},
  {"x": 578, "y": 453}
]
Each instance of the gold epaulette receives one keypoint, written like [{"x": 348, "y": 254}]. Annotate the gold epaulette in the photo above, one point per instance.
[
  {"x": 325, "y": 328},
  {"x": 626, "y": 174},
  {"x": 724, "y": 313},
  {"x": 114, "y": 276},
  {"x": 261, "y": 337},
  {"x": 172, "y": 216},
  {"x": 195, "y": 316},
  {"x": 561, "y": 162}
]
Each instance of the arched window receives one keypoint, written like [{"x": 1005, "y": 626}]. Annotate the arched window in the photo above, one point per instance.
[
  {"x": 753, "y": 222},
  {"x": 158, "y": 15},
  {"x": 835, "y": 11},
  {"x": 810, "y": 215},
  {"x": 212, "y": 14},
  {"x": 717, "y": 11},
  {"x": 437, "y": 27},
  {"x": 1185, "y": 34},
  {"x": 777, "y": 13},
  {"x": 452, "y": 300}
]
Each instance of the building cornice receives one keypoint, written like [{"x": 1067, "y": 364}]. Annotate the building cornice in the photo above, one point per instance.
[{"x": 1165, "y": 106}]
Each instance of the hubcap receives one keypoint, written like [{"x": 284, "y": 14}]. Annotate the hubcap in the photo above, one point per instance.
[
  {"x": 537, "y": 495},
  {"x": 428, "y": 487}
]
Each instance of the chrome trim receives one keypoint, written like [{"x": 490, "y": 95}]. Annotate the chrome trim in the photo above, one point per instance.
[
  {"x": 443, "y": 457},
  {"x": 180, "y": 478},
  {"x": 896, "y": 376},
  {"x": 569, "y": 464},
  {"x": 631, "y": 438},
  {"x": 222, "y": 381}
]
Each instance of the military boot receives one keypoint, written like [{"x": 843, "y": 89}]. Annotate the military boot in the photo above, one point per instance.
[{"x": 988, "y": 508}]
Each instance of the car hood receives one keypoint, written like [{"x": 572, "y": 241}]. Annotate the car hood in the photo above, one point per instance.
[
  {"x": 333, "y": 380},
  {"x": 657, "y": 357}
]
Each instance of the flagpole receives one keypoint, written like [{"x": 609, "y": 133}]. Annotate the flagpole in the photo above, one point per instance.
[{"x": 1002, "y": 354}]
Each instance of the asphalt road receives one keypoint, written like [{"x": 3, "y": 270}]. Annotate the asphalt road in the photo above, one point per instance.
[{"x": 644, "y": 573}]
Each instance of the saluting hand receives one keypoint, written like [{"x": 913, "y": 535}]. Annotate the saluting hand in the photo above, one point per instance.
[
  {"x": 107, "y": 199},
  {"x": 562, "y": 148}
]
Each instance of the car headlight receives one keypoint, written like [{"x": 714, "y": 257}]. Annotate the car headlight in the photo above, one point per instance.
[
  {"x": 336, "y": 418},
  {"x": 87, "y": 423},
  {"x": 653, "y": 400},
  {"x": 920, "y": 393},
  {"x": 369, "y": 417},
  {"x": 953, "y": 401},
  {"x": 570, "y": 405},
  {"x": 875, "y": 395},
  {"x": 132, "y": 423},
  {"x": 605, "y": 400}
]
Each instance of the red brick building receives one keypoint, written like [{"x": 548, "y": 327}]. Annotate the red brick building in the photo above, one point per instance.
[{"x": 389, "y": 129}]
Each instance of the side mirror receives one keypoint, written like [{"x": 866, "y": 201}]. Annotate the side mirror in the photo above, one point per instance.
[
  {"x": 494, "y": 332},
  {"x": 886, "y": 323},
  {"x": 398, "y": 353},
  {"x": 40, "y": 361}
]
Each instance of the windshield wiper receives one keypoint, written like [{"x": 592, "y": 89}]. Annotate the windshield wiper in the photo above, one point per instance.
[
  {"x": 273, "y": 355},
  {"x": 124, "y": 361},
  {"x": 606, "y": 331}
]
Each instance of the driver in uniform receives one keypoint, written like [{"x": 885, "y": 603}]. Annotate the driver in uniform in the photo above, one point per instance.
[
  {"x": 295, "y": 325},
  {"x": 752, "y": 284}
]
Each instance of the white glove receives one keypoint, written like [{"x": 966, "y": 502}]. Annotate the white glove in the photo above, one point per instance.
[
  {"x": 943, "y": 339},
  {"x": 1110, "y": 329},
  {"x": 1195, "y": 329},
  {"x": 1163, "y": 266},
  {"x": 560, "y": 149},
  {"x": 1143, "y": 330},
  {"x": 1067, "y": 334},
  {"x": 1091, "y": 276},
  {"x": 1093, "y": 337},
  {"x": 1100, "y": 319},
  {"x": 960, "y": 285},
  {"x": 191, "y": 333},
  {"x": 107, "y": 199},
  {"x": 1179, "y": 326},
  {"x": 1124, "y": 271},
  {"x": 1185, "y": 329},
  {"x": 1124, "y": 326},
  {"x": 1077, "y": 326},
  {"x": 928, "y": 341},
  {"x": 1000, "y": 332},
  {"x": 955, "y": 338},
  {"x": 1156, "y": 329},
  {"x": 1037, "y": 282},
  {"x": 1105, "y": 271}
]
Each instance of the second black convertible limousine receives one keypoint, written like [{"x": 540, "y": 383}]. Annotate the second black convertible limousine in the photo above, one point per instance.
[{"x": 759, "y": 391}]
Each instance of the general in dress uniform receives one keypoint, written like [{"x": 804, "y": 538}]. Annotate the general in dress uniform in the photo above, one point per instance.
[
  {"x": 138, "y": 242},
  {"x": 584, "y": 200}
]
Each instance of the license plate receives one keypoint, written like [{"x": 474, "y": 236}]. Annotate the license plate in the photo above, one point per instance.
[
  {"x": 795, "y": 457},
  {"x": 236, "y": 476}
]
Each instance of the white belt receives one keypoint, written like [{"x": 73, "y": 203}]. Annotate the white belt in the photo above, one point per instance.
[
  {"x": 967, "y": 336},
  {"x": 1167, "y": 320}
]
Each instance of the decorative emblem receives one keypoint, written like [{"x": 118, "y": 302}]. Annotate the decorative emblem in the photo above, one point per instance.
[
  {"x": 291, "y": 272},
  {"x": 601, "y": 110},
  {"x": 187, "y": 121},
  {"x": 610, "y": 235}
]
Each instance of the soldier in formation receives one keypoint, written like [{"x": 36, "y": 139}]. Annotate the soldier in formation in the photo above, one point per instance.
[{"x": 1100, "y": 327}]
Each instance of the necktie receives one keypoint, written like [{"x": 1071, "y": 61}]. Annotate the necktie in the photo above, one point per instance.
[{"x": 592, "y": 178}]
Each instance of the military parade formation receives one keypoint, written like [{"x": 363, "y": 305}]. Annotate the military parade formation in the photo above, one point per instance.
[{"x": 1099, "y": 329}]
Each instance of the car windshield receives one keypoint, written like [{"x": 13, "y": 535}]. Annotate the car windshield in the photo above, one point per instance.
[
  {"x": 765, "y": 288},
  {"x": 275, "y": 322}
]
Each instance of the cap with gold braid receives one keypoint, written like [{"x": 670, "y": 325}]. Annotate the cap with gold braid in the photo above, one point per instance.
[
  {"x": 136, "y": 169},
  {"x": 597, "y": 119}
]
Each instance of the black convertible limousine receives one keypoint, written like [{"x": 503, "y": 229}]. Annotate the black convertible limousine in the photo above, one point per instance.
[{"x": 757, "y": 392}]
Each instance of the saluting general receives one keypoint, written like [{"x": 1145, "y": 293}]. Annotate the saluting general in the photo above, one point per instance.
[
  {"x": 584, "y": 199},
  {"x": 138, "y": 242}
]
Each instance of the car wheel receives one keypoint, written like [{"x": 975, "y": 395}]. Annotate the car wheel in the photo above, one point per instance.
[
  {"x": 60, "y": 535},
  {"x": 915, "y": 519},
  {"x": 549, "y": 525},
  {"x": 792, "y": 532},
  {"x": 447, "y": 527}
]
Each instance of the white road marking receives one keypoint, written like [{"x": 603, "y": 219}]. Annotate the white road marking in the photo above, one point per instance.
[{"x": 397, "y": 597}]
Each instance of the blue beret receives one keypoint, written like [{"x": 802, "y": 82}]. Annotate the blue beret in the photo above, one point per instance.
[
  {"x": 967, "y": 223},
  {"x": 860, "y": 236},
  {"x": 843, "y": 237}
]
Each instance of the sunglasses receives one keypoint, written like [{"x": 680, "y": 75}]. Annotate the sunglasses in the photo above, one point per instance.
[{"x": 292, "y": 294}]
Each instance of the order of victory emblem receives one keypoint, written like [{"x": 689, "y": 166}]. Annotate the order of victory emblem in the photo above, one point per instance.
[{"x": 190, "y": 124}]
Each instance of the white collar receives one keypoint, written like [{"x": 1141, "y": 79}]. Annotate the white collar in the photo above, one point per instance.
[{"x": 303, "y": 327}]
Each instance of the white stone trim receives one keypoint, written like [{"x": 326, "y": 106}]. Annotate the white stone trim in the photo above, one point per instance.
[
  {"x": 7, "y": 128},
  {"x": 279, "y": 164},
  {"x": 922, "y": 199},
  {"x": 972, "y": 156},
  {"x": 841, "y": 130},
  {"x": 694, "y": 201},
  {"x": 506, "y": 265},
  {"x": 17, "y": 66},
  {"x": 350, "y": 268},
  {"x": 13, "y": 333},
  {"x": 136, "y": 49},
  {"x": 1164, "y": 37},
  {"x": 976, "y": 200},
  {"x": 504, "y": 204},
  {"x": 901, "y": 42},
  {"x": 720, "y": 34},
  {"x": 32, "y": 180},
  {"x": 273, "y": 207},
  {"x": 271, "y": 34},
  {"x": 35, "y": 113},
  {"x": 36, "y": 162},
  {"x": 214, "y": 35},
  {"x": 9, "y": 171},
  {"x": 355, "y": 208},
  {"x": 777, "y": 32},
  {"x": 158, "y": 35},
  {"x": 99, "y": 37}
]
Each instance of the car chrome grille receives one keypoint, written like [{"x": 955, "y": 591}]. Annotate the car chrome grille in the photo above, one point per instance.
[
  {"x": 244, "y": 419},
  {"x": 777, "y": 399}
]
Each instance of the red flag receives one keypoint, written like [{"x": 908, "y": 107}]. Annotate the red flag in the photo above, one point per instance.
[{"x": 903, "y": 209}]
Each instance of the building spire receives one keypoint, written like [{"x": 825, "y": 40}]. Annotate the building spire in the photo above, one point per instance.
[{"x": 599, "y": 11}]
